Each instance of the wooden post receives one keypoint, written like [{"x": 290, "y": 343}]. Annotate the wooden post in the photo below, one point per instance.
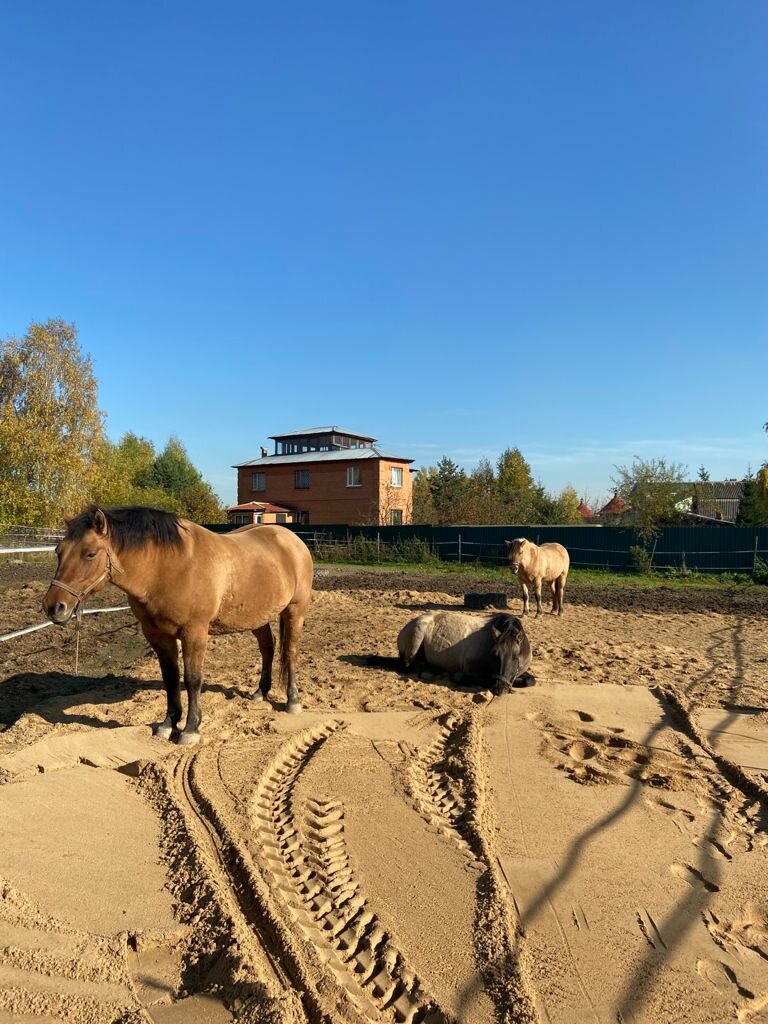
[
  {"x": 650, "y": 563},
  {"x": 459, "y": 549}
]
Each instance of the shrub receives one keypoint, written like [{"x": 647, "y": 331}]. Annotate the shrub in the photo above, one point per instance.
[{"x": 641, "y": 560}]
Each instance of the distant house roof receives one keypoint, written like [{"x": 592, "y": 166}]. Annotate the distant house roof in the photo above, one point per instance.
[
  {"x": 258, "y": 506},
  {"x": 716, "y": 490},
  {"x": 314, "y": 431},
  {"x": 342, "y": 455},
  {"x": 585, "y": 511},
  {"x": 714, "y": 499},
  {"x": 615, "y": 507}
]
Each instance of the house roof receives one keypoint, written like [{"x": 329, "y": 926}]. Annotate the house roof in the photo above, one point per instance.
[
  {"x": 716, "y": 490},
  {"x": 313, "y": 431},
  {"x": 258, "y": 506},
  {"x": 343, "y": 455},
  {"x": 614, "y": 507},
  {"x": 585, "y": 511}
]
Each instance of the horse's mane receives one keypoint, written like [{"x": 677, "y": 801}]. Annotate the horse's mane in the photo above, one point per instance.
[
  {"x": 131, "y": 526},
  {"x": 508, "y": 625}
]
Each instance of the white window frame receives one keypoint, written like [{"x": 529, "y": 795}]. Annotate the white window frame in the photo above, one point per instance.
[
  {"x": 354, "y": 476},
  {"x": 395, "y": 476}
]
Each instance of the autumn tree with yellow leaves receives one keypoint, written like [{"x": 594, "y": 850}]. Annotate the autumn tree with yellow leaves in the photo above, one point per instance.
[{"x": 51, "y": 428}]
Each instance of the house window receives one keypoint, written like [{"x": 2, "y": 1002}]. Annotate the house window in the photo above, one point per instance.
[
  {"x": 241, "y": 518},
  {"x": 301, "y": 479},
  {"x": 280, "y": 517},
  {"x": 354, "y": 476},
  {"x": 396, "y": 476},
  {"x": 396, "y": 517},
  {"x": 259, "y": 481}
]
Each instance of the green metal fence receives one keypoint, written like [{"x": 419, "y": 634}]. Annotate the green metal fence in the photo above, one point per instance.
[{"x": 698, "y": 549}]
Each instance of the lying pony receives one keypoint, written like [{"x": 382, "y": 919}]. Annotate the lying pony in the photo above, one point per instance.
[{"x": 489, "y": 650}]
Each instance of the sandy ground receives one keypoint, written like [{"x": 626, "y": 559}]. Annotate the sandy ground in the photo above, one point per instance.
[{"x": 590, "y": 849}]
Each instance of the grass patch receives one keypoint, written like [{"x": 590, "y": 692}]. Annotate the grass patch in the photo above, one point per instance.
[{"x": 580, "y": 577}]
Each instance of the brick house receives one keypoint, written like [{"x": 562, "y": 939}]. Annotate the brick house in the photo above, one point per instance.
[{"x": 328, "y": 475}]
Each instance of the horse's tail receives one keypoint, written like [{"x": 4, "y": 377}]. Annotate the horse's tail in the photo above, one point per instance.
[{"x": 283, "y": 655}]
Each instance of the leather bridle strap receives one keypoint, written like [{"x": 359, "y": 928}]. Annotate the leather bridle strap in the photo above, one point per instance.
[{"x": 82, "y": 594}]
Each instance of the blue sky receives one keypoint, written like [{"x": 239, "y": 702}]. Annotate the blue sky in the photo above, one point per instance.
[{"x": 457, "y": 227}]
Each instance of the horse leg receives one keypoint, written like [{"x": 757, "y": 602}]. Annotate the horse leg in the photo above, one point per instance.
[
  {"x": 553, "y": 588},
  {"x": 561, "y": 592},
  {"x": 193, "y": 644},
  {"x": 537, "y": 592},
  {"x": 525, "y": 597},
  {"x": 167, "y": 650},
  {"x": 267, "y": 647},
  {"x": 291, "y": 625}
]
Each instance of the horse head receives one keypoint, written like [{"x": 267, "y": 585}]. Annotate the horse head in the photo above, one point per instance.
[
  {"x": 510, "y": 649},
  {"x": 516, "y": 552},
  {"x": 85, "y": 565}
]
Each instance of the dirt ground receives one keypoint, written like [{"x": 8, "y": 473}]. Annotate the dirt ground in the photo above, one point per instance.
[{"x": 589, "y": 849}]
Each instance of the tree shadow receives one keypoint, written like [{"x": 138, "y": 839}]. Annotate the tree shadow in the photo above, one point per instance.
[{"x": 688, "y": 910}]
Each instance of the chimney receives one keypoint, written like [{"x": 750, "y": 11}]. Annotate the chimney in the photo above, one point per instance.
[{"x": 264, "y": 452}]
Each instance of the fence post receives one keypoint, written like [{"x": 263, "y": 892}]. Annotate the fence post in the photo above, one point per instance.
[
  {"x": 650, "y": 563},
  {"x": 459, "y": 549},
  {"x": 754, "y": 559},
  {"x": 378, "y": 546}
]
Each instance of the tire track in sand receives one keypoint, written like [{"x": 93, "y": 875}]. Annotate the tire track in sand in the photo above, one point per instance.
[{"x": 308, "y": 863}]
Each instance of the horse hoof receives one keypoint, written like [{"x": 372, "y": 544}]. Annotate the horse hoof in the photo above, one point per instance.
[
  {"x": 294, "y": 708},
  {"x": 188, "y": 739},
  {"x": 258, "y": 696},
  {"x": 163, "y": 732}
]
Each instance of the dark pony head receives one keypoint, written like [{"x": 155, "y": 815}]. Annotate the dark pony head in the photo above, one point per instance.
[
  {"x": 131, "y": 526},
  {"x": 511, "y": 651}
]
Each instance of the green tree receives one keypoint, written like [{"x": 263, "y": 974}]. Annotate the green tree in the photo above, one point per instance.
[
  {"x": 567, "y": 506},
  {"x": 173, "y": 473},
  {"x": 514, "y": 481},
  {"x": 51, "y": 429},
  {"x": 423, "y": 503},
  {"x": 448, "y": 485},
  {"x": 483, "y": 504},
  {"x": 651, "y": 487},
  {"x": 124, "y": 471},
  {"x": 752, "y": 507},
  {"x": 703, "y": 474}
]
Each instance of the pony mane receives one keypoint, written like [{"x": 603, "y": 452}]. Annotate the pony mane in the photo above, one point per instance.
[
  {"x": 131, "y": 526},
  {"x": 507, "y": 624}
]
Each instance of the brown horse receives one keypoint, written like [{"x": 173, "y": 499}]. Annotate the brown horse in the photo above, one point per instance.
[
  {"x": 533, "y": 563},
  {"x": 184, "y": 582}
]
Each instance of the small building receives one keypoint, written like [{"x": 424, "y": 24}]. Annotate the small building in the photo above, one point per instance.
[
  {"x": 259, "y": 512},
  {"x": 328, "y": 475},
  {"x": 713, "y": 500},
  {"x": 585, "y": 511}
]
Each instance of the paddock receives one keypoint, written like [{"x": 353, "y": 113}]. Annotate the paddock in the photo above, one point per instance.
[{"x": 592, "y": 847}]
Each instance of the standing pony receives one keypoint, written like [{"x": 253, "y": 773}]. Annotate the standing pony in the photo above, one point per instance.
[
  {"x": 184, "y": 582},
  {"x": 533, "y": 563}
]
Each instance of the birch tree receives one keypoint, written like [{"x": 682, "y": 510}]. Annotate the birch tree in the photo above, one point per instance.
[{"x": 51, "y": 429}]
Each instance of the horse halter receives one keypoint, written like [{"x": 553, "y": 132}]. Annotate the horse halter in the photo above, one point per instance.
[{"x": 82, "y": 594}]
